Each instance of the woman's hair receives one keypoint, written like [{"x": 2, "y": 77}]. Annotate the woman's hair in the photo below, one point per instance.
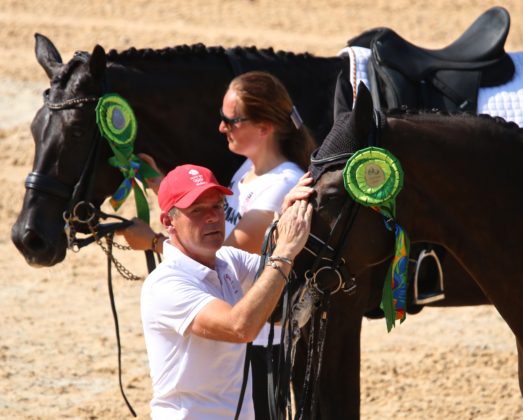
[{"x": 264, "y": 98}]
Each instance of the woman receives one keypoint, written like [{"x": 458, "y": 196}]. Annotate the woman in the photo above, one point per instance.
[{"x": 260, "y": 123}]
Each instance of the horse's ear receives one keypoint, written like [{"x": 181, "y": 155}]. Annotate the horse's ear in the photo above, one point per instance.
[
  {"x": 97, "y": 62},
  {"x": 362, "y": 115},
  {"x": 343, "y": 96},
  {"x": 47, "y": 55}
]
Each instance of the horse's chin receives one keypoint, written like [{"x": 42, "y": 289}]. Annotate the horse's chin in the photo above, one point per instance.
[
  {"x": 34, "y": 264},
  {"x": 48, "y": 259},
  {"x": 39, "y": 262},
  {"x": 38, "y": 249}
]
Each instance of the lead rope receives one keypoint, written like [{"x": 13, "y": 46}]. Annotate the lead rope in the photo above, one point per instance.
[{"x": 109, "y": 239}]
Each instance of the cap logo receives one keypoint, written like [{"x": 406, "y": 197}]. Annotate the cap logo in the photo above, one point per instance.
[{"x": 196, "y": 177}]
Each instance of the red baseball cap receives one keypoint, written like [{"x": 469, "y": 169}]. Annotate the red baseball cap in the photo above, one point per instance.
[{"x": 184, "y": 184}]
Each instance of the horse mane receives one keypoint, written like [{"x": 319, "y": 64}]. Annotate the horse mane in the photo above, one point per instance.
[
  {"x": 199, "y": 50},
  {"x": 406, "y": 112}
]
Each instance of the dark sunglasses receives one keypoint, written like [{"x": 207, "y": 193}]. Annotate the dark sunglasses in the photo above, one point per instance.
[{"x": 229, "y": 122}]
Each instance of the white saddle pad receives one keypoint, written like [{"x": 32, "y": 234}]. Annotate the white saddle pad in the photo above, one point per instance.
[{"x": 505, "y": 101}]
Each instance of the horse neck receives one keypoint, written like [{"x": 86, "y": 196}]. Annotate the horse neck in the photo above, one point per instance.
[
  {"x": 176, "y": 102},
  {"x": 461, "y": 185}
]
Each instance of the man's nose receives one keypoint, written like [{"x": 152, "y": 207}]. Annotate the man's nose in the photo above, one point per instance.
[{"x": 213, "y": 215}]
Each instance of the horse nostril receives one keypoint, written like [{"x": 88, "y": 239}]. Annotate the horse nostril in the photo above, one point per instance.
[{"x": 31, "y": 240}]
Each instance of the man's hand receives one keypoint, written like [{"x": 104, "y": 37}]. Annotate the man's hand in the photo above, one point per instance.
[
  {"x": 139, "y": 235},
  {"x": 293, "y": 229},
  {"x": 153, "y": 183},
  {"x": 301, "y": 191}
]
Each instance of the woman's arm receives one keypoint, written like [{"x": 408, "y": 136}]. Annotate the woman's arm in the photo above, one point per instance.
[{"x": 250, "y": 231}]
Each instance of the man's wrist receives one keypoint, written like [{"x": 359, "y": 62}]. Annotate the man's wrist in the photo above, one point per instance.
[
  {"x": 274, "y": 258},
  {"x": 154, "y": 242}
]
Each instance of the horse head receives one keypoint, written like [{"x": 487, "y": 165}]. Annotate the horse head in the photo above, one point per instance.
[
  {"x": 66, "y": 142},
  {"x": 353, "y": 234},
  {"x": 345, "y": 240}
]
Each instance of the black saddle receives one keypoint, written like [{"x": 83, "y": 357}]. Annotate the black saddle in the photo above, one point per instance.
[{"x": 403, "y": 74}]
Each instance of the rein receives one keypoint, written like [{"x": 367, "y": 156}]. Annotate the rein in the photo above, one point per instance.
[{"x": 328, "y": 274}]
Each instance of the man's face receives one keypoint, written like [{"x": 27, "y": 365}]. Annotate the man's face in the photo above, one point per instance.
[{"x": 199, "y": 230}]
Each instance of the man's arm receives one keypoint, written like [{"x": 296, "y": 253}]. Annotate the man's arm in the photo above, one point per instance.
[{"x": 242, "y": 322}]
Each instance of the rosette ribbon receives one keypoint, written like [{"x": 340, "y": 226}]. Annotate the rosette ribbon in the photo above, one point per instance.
[
  {"x": 118, "y": 125},
  {"x": 374, "y": 177}
]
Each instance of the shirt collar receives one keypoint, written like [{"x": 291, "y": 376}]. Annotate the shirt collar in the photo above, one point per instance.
[{"x": 172, "y": 253}]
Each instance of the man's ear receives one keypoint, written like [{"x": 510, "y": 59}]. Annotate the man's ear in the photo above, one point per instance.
[{"x": 165, "y": 219}]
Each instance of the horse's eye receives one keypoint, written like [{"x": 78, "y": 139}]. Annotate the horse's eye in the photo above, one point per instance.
[
  {"x": 332, "y": 201},
  {"x": 77, "y": 132}
]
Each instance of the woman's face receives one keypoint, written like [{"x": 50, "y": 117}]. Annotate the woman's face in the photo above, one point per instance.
[{"x": 243, "y": 136}]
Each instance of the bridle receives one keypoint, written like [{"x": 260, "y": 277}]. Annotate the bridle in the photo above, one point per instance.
[{"x": 81, "y": 211}]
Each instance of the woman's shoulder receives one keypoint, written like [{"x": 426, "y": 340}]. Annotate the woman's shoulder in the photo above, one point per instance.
[{"x": 288, "y": 171}]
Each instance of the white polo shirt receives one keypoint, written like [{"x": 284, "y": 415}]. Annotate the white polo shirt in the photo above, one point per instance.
[{"x": 194, "y": 377}]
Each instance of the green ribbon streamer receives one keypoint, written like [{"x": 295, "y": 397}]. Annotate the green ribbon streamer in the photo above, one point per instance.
[{"x": 118, "y": 125}]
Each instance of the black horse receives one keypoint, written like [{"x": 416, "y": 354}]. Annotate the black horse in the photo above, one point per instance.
[
  {"x": 175, "y": 93},
  {"x": 462, "y": 190}
]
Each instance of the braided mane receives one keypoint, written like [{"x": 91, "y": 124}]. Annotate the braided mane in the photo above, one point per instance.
[{"x": 197, "y": 50}]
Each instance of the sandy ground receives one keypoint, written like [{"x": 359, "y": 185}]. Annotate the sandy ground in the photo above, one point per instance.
[{"x": 57, "y": 344}]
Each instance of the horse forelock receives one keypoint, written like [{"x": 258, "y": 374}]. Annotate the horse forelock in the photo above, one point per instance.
[
  {"x": 65, "y": 72},
  {"x": 70, "y": 76}
]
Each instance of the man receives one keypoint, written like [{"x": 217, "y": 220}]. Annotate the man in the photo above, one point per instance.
[{"x": 201, "y": 305}]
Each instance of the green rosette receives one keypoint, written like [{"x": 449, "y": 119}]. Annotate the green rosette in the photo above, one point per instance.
[
  {"x": 117, "y": 123},
  {"x": 373, "y": 176}
]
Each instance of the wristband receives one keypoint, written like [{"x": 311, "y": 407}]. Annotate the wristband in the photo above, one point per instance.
[
  {"x": 277, "y": 268},
  {"x": 274, "y": 258}
]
